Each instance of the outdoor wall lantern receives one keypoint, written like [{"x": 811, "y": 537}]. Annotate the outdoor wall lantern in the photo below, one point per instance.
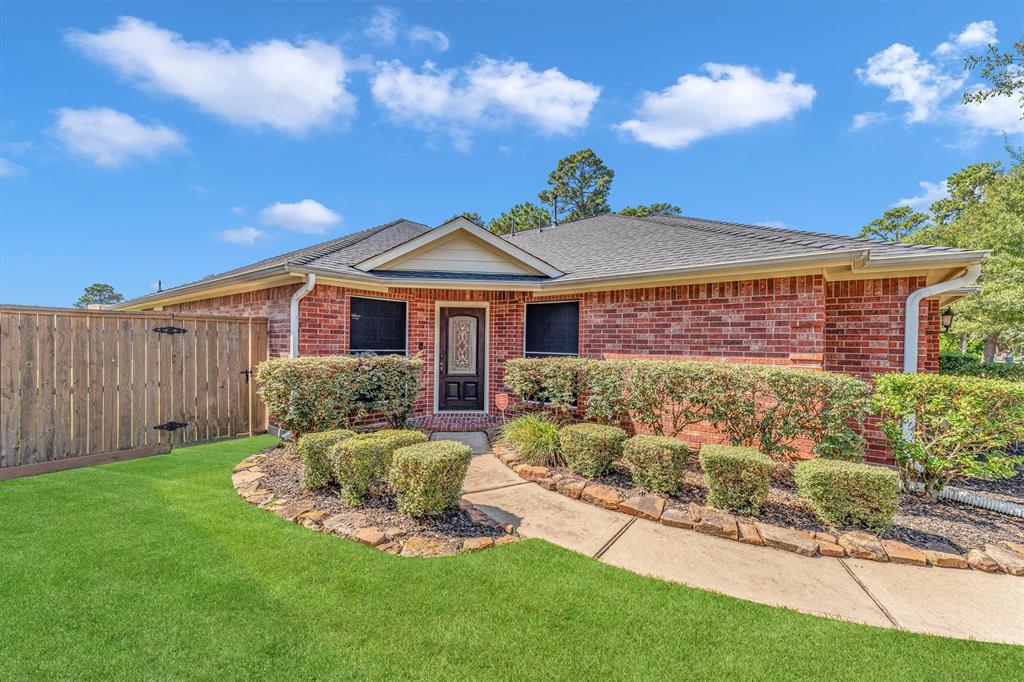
[{"x": 947, "y": 319}]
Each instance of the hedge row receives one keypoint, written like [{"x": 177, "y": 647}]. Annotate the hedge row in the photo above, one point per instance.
[
  {"x": 762, "y": 406},
  {"x": 738, "y": 477},
  {"x": 971, "y": 365},
  {"x": 325, "y": 392}
]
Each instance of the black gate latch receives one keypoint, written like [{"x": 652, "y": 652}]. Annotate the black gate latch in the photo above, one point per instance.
[
  {"x": 246, "y": 372},
  {"x": 170, "y": 426},
  {"x": 169, "y": 330}
]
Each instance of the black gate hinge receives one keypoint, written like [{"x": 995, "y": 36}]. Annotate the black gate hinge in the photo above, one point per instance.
[
  {"x": 170, "y": 426},
  {"x": 169, "y": 330}
]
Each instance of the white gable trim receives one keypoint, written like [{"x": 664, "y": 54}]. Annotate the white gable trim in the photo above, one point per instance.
[{"x": 511, "y": 251}]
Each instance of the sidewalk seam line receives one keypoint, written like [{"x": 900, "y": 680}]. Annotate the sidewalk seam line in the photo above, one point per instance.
[
  {"x": 878, "y": 603},
  {"x": 614, "y": 538},
  {"x": 496, "y": 487}
]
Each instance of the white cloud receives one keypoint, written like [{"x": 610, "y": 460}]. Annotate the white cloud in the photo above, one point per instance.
[
  {"x": 975, "y": 34},
  {"x": 307, "y": 216},
  {"x": 286, "y": 86},
  {"x": 930, "y": 193},
  {"x": 489, "y": 93},
  {"x": 383, "y": 25},
  {"x": 111, "y": 138},
  {"x": 868, "y": 118},
  {"x": 996, "y": 114},
  {"x": 238, "y": 210},
  {"x": 730, "y": 97},
  {"x": 9, "y": 169},
  {"x": 246, "y": 236},
  {"x": 908, "y": 78},
  {"x": 773, "y": 223},
  {"x": 430, "y": 37}
]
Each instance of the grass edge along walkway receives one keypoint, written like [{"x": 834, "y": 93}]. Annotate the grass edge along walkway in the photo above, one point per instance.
[{"x": 156, "y": 569}]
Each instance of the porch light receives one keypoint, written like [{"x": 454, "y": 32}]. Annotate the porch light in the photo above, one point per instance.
[{"x": 947, "y": 319}]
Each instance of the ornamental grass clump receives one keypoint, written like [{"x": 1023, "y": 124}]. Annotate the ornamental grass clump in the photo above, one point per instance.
[
  {"x": 427, "y": 478},
  {"x": 534, "y": 437},
  {"x": 657, "y": 462},
  {"x": 315, "y": 453},
  {"x": 361, "y": 463},
  {"x": 588, "y": 449},
  {"x": 941, "y": 427},
  {"x": 849, "y": 494},
  {"x": 737, "y": 477}
]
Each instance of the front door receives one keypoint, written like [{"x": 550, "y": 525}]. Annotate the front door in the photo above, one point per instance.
[{"x": 460, "y": 358}]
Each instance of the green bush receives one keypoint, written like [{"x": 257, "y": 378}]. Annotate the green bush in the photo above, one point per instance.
[
  {"x": 427, "y": 478},
  {"x": 737, "y": 477},
  {"x": 321, "y": 393},
  {"x": 944, "y": 426},
  {"x": 657, "y": 461},
  {"x": 534, "y": 437},
  {"x": 361, "y": 463},
  {"x": 849, "y": 494},
  {"x": 315, "y": 453},
  {"x": 762, "y": 406},
  {"x": 588, "y": 449},
  {"x": 971, "y": 365}
]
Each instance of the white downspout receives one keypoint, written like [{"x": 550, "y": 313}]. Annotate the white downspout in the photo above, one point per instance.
[
  {"x": 294, "y": 312},
  {"x": 912, "y": 324},
  {"x": 913, "y": 307}
]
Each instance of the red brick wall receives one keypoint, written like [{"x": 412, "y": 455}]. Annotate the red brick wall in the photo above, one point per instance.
[
  {"x": 852, "y": 327},
  {"x": 269, "y": 303}
]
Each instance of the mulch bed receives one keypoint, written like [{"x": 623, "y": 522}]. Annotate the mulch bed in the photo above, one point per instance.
[
  {"x": 1009, "y": 489},
  {"x": 282, "y": 469},
  {"x": 945, "y": 526}
]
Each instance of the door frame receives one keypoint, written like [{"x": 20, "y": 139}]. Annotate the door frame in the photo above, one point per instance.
[{"x": 486, "y": 305}]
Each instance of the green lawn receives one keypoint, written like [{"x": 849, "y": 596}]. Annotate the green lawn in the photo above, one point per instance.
[{"x": 156, "y": 569}]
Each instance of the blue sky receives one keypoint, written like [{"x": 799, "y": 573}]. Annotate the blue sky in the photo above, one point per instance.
[{"x": 144, "y": 142}]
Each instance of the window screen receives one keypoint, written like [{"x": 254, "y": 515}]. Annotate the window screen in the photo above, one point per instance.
[
  {"x": 552, "y": 329},
  {"x": 377, "y": 326}
]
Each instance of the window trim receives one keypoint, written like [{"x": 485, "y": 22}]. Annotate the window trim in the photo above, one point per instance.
[
  {"x": 404, "y": 353},
  {"x": 541, "y": 355}
]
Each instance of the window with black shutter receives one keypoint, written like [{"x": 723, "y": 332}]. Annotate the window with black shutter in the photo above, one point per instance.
[
  {"x": 377, "y": 325},
  {"x": 552, "y": 329}
]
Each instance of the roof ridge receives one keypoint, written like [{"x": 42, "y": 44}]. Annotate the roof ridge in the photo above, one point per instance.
[
  {"x": 315, "y": 251},
  {"x": 791, "y": 233}
]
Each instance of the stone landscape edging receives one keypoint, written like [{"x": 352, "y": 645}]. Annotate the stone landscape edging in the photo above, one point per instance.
[
  {"x": 1005, "y": 557},
  {"x": 245, "y": 478}
]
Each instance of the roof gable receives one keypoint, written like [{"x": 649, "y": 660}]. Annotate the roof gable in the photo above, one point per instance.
[{"x": 459, "y": 245}]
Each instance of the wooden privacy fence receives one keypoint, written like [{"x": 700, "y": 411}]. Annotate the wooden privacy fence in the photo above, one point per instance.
[{"x": 80, "y": 387}]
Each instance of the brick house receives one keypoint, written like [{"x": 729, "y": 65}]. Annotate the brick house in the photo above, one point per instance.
[{"x": 605, "y": 287}]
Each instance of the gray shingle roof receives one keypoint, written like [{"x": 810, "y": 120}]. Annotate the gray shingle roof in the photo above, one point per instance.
[
  {"x": 611, "y": 244},
  {"x": 603, "y": 246}
]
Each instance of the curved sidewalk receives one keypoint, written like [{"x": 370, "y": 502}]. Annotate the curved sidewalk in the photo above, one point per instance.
[{"x": 965, "y": 604}]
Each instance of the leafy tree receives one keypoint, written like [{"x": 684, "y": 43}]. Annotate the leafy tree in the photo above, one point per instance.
[
  {"x": 580, "y": 183},
  {"x": 895, "y": 224},
  {"x": 966, "y": 188},
  {"x": 992, "y": 218},
  {"x": 523, "y": 216},
  {"x": 468, "y": 215},
  {"x": 1003, "y": 71},
  {"x": 98, "y": 294},
  {"x": 647, "y": 210}
]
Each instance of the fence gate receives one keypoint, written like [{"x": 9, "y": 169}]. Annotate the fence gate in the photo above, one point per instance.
[{"x": 81, "y": 387}]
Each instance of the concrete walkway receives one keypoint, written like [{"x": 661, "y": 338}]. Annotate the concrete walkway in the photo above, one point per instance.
[{"x": 955, "y": 603}]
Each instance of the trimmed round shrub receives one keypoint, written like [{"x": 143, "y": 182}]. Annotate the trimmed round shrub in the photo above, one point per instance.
[
  {"x": 315, "y": 453},
  {"x": 534, "y": 438},
  {"x": 427, "y": 478},
  {"x": 657, "y": 462},
  {"x": 849, "y": 494},
  {"x": 737, "y": 477},
  {"x": 588, "y": 449},
  {"x": 361, "y": 463}
]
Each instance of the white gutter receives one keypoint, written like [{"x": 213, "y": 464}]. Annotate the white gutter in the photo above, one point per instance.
[
  {"x": 913, "y": 307},
  {"x": 294, "y": 312}
]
